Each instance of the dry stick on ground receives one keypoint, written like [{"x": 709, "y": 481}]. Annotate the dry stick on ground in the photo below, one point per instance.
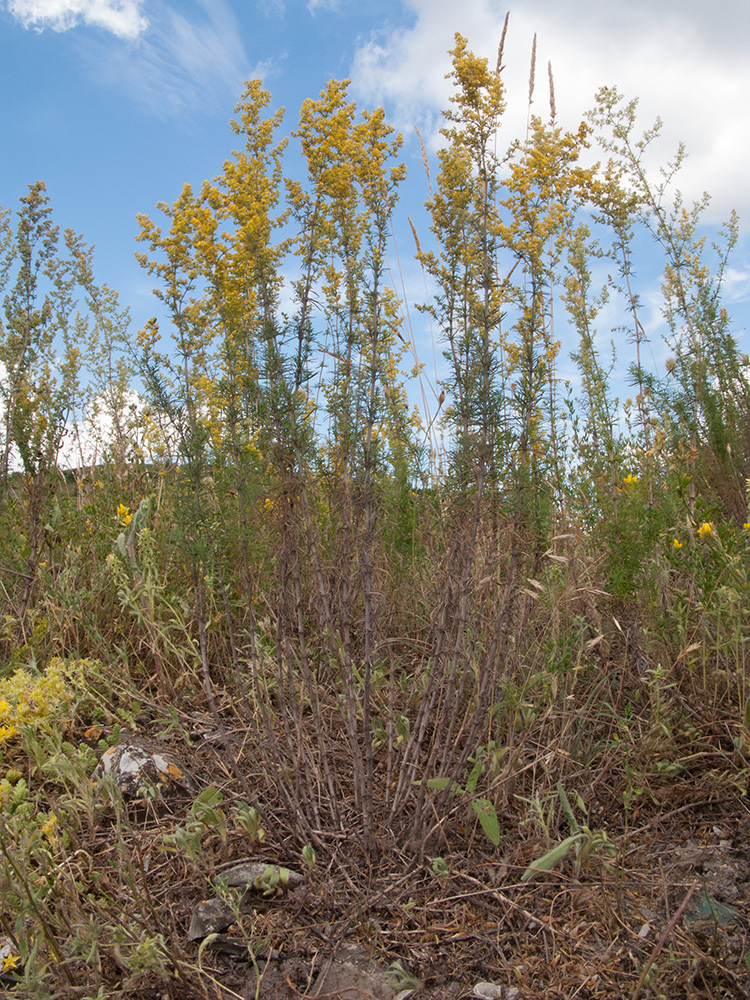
[
  {"x": 16, "y": 572},
  {"x": 501, "y": 897},
  {"x": 660, "y": 943}
]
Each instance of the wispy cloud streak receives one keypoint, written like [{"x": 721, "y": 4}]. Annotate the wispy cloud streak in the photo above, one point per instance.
[
  {"x": 187, "y": 60},
  {"x": 184, "y": 57}
]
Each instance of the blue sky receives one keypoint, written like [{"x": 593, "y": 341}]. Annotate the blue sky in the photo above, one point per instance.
[{"x": 116, "y": 103}]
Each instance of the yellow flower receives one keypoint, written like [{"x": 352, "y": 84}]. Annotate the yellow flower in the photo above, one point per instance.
[
  {"x": 676, "y": 544},
  {"x": 630, "y": 480},
  {"x": 48, "y": 829},
  {"x": 124, "y": 514},
  {"x": 746, "y": 525},
  {"x": 10, "y": 962},
  {"x": 706, "y": 529}
]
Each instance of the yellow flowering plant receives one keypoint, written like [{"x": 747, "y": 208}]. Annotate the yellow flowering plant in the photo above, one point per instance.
[
  {"x": 27, "y": 698},
  {"x": 124, "y": 515}
]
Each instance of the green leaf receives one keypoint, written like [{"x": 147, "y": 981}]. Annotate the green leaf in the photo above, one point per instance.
[
  {"x": 210, "y": 796},
  {"x": 211, "y": 817},
  {"x": 440, "y": 867},
  {"x": 550, "y": 859},
  {"x": 487, "y": 815},
  {"x": 308, "y": 855},
  {"x": 476, "y": 773},
  {"x": 440, "y": 784},
  {"x": 573, "y": 823},
  {"x": 208, "y": 940}
]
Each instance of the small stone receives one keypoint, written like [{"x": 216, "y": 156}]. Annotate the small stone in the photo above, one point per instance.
[
  {"x": 705, "y": 913},
  {"x": 93, "y": 735},
  {"x": 135, "y": 763},
  {"x": 209, "y": 917},
  {"x": 262, "y": 877},
  {"x": 487, "y": 991},
  {"x": 491, "y": 991}
]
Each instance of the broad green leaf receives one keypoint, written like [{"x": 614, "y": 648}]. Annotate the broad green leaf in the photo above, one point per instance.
[
  {"x": 550, "y": 859},
  {"x": 488, "y": 818},
  {"x": 210, "y": 796},
  {"x": 440, "y": 784}
]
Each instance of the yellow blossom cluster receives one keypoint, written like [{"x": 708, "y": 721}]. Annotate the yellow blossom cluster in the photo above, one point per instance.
[
  {"x": 124, "y": 515},
  {"x": 704, "y": 530},
  {"x": 49, "y": 828},
  {"x": 26, "y": 697}
]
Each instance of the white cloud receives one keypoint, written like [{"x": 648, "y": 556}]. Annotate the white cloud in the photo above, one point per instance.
[
  {"x": 122, "y": 18},
  {"x": 317, "y": 5},
  {"x": 188, "y": 58},
  {"x": 737, "y": 284},
  {"x": 185, "y": 55},
  {"x": 685, "y": 60}
]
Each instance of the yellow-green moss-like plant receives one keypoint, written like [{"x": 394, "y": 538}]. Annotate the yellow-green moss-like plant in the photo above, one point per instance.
[{"x": 28, "y": 697}]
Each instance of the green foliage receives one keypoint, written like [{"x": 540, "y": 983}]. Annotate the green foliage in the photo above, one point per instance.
[
  {"x": 205, "y": 816},
  {"x": 249, "y": 819},
  {"x": 585, "y": 842},
  {"x": 483, "y": 808},
  {"x": 28, "y": 698},
  {"x": 401, "y": 979},
  {"x": 398, "y": 647}
]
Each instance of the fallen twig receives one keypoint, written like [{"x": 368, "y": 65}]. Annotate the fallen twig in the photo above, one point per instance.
[{"x": 660, "y": 943}]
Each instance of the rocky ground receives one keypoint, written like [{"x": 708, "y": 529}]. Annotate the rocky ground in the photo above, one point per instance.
[{"x": 656, "y": 908}]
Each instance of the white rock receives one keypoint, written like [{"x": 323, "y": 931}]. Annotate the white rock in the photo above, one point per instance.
[{"x": 491, "y": 991}]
